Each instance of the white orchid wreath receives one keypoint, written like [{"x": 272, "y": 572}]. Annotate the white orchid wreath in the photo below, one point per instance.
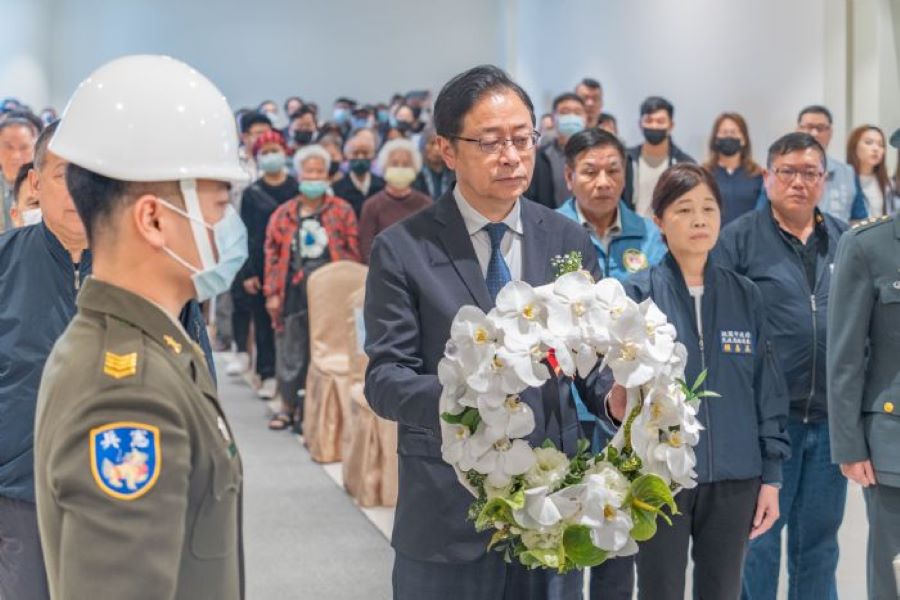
[{"x": 546, "y": 509}]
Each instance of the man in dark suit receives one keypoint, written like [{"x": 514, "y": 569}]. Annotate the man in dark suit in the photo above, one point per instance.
[{"x": 461, "y": 251}]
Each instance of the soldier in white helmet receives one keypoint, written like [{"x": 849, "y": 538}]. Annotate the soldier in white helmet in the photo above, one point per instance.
[{"x": 139, "y": 480}]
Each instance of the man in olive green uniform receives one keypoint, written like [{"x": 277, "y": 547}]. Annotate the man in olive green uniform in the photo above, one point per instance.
[
  {"x": 138, "y": 479},
  {"x": 864, "y": 384}
]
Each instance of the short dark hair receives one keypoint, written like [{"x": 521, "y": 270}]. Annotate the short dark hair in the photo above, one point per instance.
[
  {"x": 656, "y": 103},
  {"x": 564, "y": 97},
  {"x": 97, "y": 197},
  {"x": 678, "y": 180},
  {"x": 591, "y": 138},
  {"x": 607, "y": 117},
  {"x": 346, "y": 100},
  {"x": 302, "y": 112},
  {"x": 461, "y": 93},
  {"x": 23, "y": 118},
  {"x": 590, "y": 83},
  {"x": 289, "y": 99},
  {"x": 815, "y": 109},
  {"x": 21, "y": 176},
  {"x": 40, "y": 146},
  {"x": 794, "y": 142},
  {"x": 253, "y": 117}
]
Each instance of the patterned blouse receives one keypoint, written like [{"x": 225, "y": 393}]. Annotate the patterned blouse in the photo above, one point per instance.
[{"x": 339, "y": 221}]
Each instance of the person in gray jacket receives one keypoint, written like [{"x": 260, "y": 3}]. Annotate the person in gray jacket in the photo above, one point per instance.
[{"x": 864, "y": 385}]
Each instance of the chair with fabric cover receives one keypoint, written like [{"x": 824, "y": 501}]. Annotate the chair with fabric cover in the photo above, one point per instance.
[
  {"x": 370, "y": 462},
  {"x": 326, "y": 412}
]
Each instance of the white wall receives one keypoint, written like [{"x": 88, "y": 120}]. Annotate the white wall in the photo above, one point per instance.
[
  {"x": 317, "y": 49},
  {"x": 764, "y": 59}
]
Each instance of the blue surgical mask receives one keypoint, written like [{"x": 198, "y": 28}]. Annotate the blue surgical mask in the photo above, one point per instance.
[
  {"x": 32, "y": 216},
  {"x": 359, "y": 122},
  {"x": 313, "y": 189},
  {"x": 271, "y": 162},
  {"x": 230, "y": 237},
  {"x": 341, "y": 115},
  {"x": 569, "y": 125},
  {"x": 383, "y": 116}
]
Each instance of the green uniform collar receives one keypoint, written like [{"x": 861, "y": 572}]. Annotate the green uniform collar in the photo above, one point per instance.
[{"x": 107, "y": 299}]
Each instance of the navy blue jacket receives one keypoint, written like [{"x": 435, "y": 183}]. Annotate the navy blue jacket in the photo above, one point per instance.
[
  {"x": 745, "y": 433},
  {"x": 38, "y": 286},
  {"x": 755, "y": 246}
]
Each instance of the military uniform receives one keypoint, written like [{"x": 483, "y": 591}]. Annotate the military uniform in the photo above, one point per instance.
[
  {"x": 864, "y": 381},
  {"x": 138, "y": 479}
]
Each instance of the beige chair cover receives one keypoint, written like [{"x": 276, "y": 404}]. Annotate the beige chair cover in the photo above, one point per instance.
[
  {"x": 327, "y": 408},
  {"x": 370, "y": 462}
]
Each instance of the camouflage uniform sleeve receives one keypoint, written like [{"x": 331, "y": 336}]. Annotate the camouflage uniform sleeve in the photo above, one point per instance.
[{"x": 118, "y": 470}]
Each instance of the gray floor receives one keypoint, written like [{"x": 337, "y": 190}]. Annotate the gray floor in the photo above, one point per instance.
[{"x": 304, "y": 537}]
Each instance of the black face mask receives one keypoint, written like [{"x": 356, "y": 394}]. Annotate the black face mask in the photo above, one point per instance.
[
  {"x": 417, "y": 111},
  {"x": 360, "y": 166},
  {"x": 303, "y": 137},
  {"x": 333, "y": 168},
  {"x": 655, "y": 137},
  {"x": 727, "y": 146},
  {"x": 403, "y": 127}
]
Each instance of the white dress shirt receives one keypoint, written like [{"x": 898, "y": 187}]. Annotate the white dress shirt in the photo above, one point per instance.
[{"x": 510, "y": 246}]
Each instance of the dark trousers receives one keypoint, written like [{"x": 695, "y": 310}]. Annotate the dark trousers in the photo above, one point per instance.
[
  {"x": 613, "y": 579},
  {"x": 22, "y": 574},
  {"x": 883, "y": 512},
  {"x": 264, "y": 336},
  {"x": 241, "y": 315},
  {"x": 292, "y": 357},
  {"x": 717, "y": 517},
  {"x": 488, "y": 578}
]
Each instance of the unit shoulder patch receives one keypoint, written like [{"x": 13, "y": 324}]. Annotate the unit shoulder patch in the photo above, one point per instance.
[{"x": 126, "y": 458}]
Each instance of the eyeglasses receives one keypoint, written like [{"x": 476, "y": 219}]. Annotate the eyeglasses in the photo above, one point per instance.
[
  {"x": 808, "y": 176},
  {"x": 494, "y": 145}
]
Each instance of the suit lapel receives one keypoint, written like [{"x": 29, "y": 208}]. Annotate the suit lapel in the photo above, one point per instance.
[
  {"x": 535, "y": 246},
  {"x": 457, "y": 244}
]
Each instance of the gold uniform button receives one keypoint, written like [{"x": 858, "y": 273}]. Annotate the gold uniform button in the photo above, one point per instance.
[{"x": 888, "y": 407}]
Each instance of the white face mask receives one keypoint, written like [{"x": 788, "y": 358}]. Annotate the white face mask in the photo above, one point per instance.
[{"x": 32, "y": 216}]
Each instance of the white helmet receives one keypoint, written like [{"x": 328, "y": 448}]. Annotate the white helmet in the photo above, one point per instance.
[{"x": 149, "y": 118}]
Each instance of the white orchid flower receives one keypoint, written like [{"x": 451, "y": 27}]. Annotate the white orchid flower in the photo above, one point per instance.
[
  {"x": 543, "y": 510},
  {"x": 520, "y": 313},
  {"x": 503, "y": 458},
  {"x": 455, "y": 444},
  {"x": 550, "y": 468},
  {"x": 313, "y": 239},
  {"x": 636, "y": 354},
  {"x": 603, "y": 512},
  {"x": 473, "y": 339},
  {"x": 678, "y": 458},
  {"x": 509, "y": 372},
  {"x": 660, "y": 332},
  {"x": 507, "y": 414}
]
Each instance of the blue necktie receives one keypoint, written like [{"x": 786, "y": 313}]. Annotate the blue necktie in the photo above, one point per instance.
[{"x": 497, "y": 271}]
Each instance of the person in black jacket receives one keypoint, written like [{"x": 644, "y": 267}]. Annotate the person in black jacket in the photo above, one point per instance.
[
  {"x": 787, "y": 248},
  {"x": 548, "y": 185},
  {"x": 719, "y": 318},
  {"x": 258, "y": 202},
  {"x": 647, "y": 161},
  {"x": 360, "y": 183}
]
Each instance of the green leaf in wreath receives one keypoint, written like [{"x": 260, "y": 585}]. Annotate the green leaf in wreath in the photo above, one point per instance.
[
  {"x": 644, "y": 524},
  {"x": 499, "y": 509},
  {"x": 579, "y": 548},
  {"x": 451, "y": 418},
  {"x": 547, "y": 558}
]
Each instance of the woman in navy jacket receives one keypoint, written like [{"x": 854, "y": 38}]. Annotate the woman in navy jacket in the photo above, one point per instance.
[{"x": 719, "y": 318}]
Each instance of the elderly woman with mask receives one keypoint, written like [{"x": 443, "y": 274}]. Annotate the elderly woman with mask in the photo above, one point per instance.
[
  {"x": 305, "y": 233},
  {"x": 401, "y": 163}
]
